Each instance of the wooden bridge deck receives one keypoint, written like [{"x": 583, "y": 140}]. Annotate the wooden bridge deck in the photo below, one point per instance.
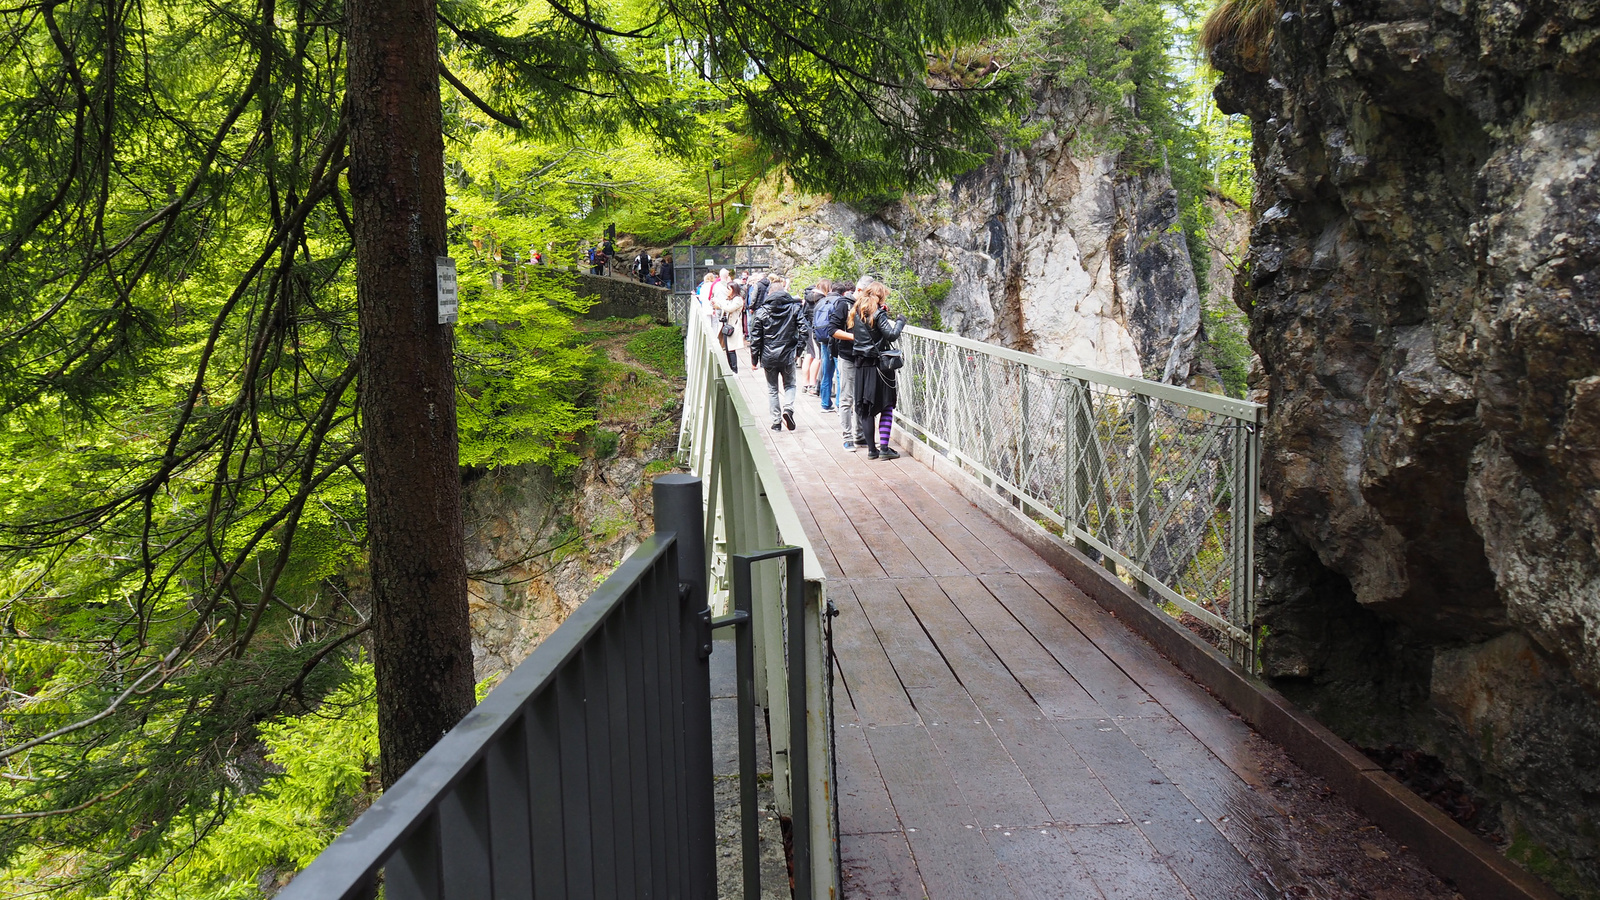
[{"x": 999, "y": 734}]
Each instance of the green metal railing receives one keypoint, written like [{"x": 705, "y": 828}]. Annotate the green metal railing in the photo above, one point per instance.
[
  {"x": 1159, "y": 482},
  {"x": 748, "y": 511}
]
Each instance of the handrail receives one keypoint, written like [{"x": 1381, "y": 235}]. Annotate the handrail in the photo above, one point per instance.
[
  {"x": 1159, "y": 481},
  {"x": 1243, "y": 410},
  {"x": 748, "y": 510}
]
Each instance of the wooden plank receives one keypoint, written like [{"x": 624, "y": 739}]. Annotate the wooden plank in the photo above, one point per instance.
[
  {"x": 1123, "y": 864},
  {"x": 854, "y": 558},
  {"x": 1015, "y": 554},
  {"x": 1246, "y": 818},
  {"x": 952, "y": 856},
  {"x": 864, "y": 804},
  {"x": 819, "y": 543},
  {"x": 803, "y": 486},
  {"x": 897, "y": 560},
  {"x": 1225, "y": 734},
  {"x": 873, "y": 685},
  {"x": 1207, "y": 781},
  {"x": 1047, "y": 682},
  {"x": 846, "y": 534},
  {"x": 878, "y": 867},
  {"x": 1112, "y": 689},
  {"x": 915, "y": 659},
  {"x": 1042, "y": 859},
  {"x": 930, "y": 552},
  {"x": 995, "y": 789},
  {"x": 1204, "y": 860},
  {"x": 985, "y": 678},
  {"x": 957, "y": 534},
  {"x": 1066, "y": 785}
]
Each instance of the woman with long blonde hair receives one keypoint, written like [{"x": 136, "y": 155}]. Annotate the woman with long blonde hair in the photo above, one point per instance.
[{"x": 876, "y": 387}]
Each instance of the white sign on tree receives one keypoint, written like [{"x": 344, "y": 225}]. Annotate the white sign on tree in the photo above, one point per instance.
[{"x": 446, "y": 268}]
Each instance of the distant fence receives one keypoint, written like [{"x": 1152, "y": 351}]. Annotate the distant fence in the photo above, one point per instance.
[
  {"x": 690, "y": 264},
  {"x": 1158, "y": 481}
]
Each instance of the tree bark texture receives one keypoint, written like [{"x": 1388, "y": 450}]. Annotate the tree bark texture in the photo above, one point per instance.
[{"x": 422, "y": 641}]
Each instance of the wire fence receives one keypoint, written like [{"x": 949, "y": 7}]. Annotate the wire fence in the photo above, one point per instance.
[
  {"x": 1158, "y": 482},
  {"x": 690, "y": 264}
]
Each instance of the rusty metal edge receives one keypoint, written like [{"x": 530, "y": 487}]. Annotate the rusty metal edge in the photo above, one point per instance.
[{"x": 1476, "y": 869}]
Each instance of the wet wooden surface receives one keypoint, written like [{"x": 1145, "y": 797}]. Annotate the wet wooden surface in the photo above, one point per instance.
[{"x": 999, "y": 735}]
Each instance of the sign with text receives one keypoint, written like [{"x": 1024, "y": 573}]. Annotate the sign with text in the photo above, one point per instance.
[{"x": 446, "y": 267}]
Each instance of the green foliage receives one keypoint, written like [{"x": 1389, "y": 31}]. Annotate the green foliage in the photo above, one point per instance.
[
  {"x": 183, "y": 510},
  {"x": 1228, "y": 347},
  {"x": 660, "y": 348},
  {"x": 848, "y": 259},
  {"x": 1225, "y": 140},
  {"x": 723, "y": 231},
  {"x": 1128, "y": 65},
  {"x": 606, "y": 443},
  {"x": 322, "y": 766},
  {"x": 520, "y": 364}
]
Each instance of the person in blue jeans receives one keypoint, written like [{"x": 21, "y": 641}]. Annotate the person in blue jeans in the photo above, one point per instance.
[
  {"x": 822, "y": 316},
  {"x": 777, "y": 333}
]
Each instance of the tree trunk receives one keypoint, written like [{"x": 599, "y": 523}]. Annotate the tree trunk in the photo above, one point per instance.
[{"x": 422, "y": 642}]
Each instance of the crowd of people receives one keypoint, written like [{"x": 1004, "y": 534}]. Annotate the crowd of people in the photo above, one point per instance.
[
  {"x": 835, "y": 342},
  {"x": 601, "y": 259}
]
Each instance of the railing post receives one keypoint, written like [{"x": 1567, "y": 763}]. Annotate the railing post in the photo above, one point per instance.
[
  {"x": 1251, "y": 492},
  {"x": 799, "y": 745},
  {"x": 1024, "y": 428},
  {"x": 1092, "y": 485},
  {"x": 679, "y": 508},
  {"x": 1142, "y": 541}
]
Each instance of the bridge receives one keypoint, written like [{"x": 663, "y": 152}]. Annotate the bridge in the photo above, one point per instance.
[{"x": 1016, "y": 662}]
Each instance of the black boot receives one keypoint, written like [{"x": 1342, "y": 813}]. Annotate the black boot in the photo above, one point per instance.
[{"x": 733, "y": 360}]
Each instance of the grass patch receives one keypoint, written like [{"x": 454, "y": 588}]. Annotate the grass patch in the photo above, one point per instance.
[
  {"x": 1247, "y": 24},
  {"x": 629, "y": 394},
  {"x": 659, "y": 348}
]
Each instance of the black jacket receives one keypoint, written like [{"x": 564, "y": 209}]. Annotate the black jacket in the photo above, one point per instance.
[
  {"x": 778, "y": 331},
  {"x": 872, "y": 338},
  {"x": 841, "y": 314},
  {"x": 758, "y": 294}
]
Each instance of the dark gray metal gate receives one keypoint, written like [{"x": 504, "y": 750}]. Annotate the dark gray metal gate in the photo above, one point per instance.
[{"x": 586, "y": 773}]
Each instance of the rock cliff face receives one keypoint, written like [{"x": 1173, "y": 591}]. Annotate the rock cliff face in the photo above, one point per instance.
[
  {"x": 1423, "y": 285},
  {"x": 1061, "y": 255}
]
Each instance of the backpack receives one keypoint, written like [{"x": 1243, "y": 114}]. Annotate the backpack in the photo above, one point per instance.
[{"x": 822, "y": 316}]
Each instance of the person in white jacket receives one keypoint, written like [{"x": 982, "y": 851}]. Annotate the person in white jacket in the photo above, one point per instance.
[{"x": 730, "y": 323}]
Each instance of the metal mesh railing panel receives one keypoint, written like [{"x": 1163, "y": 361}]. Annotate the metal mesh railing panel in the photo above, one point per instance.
[{"x": 1143, "y": 479}]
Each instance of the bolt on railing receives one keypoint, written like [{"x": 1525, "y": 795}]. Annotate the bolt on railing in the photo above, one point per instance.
[{"x": 1159, "y": 482}]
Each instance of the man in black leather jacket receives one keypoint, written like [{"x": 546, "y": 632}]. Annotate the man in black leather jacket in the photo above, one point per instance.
[{"x": 777, "y": 333}]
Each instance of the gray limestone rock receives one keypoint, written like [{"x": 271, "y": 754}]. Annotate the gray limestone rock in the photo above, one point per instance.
[
  {"x": 1048, "y": 251},
  {"x": 1424, "y": 288}
]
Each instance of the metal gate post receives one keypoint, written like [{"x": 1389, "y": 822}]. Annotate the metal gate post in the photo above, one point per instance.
[
  {"x": 679, "y": 508},
  {"x": 1143, "y": 541}
]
